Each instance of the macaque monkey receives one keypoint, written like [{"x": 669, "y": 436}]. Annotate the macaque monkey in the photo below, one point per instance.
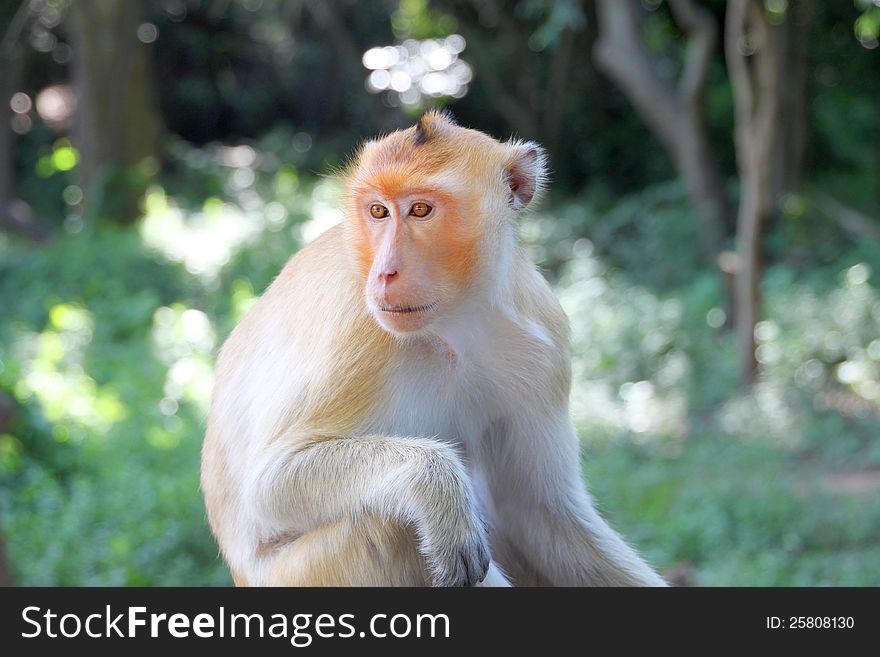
[{"x": 393, "y": 411}]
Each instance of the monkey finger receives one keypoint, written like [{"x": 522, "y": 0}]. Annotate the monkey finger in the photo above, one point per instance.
[{"x": 469, "y": 574}]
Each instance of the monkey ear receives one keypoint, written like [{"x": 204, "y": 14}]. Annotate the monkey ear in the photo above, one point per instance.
[{"x": 525, "y": 170}]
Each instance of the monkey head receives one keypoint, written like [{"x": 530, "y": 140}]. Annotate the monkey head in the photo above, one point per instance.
[{"x": 430, "y": 213}]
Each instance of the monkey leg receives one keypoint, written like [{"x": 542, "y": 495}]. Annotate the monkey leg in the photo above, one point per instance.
[
  {"x": 366, "y": 552},
  {"x": 363, "y": 552}
]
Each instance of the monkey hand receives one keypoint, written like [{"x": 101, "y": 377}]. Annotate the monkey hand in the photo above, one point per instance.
[{"x": 459, "y": 555}]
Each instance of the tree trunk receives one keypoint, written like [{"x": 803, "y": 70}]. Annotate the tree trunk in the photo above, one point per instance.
[
  {"x": 514, "y": 102},
  {"x": 15, "y": 215},
  {"x": 557, "y": 86},
  {"x": 116, "y": 124},
  {"x": 672, "y": 109},
  {"x": 598, "y": 83},
  {"x": 5, "y": 570},
  {"x": 10, "y": 72},
  {"x": 756, "y": 79},
  {"x": 749, "y": 224},
  {"x": 10, "y": 76},
  {"x": 798, "y": 94}
]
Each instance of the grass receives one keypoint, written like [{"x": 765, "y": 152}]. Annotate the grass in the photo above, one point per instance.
[{"x": 725, "y": 512}]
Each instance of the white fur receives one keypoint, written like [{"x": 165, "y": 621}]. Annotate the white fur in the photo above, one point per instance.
[{"x": 471, "y": 423}]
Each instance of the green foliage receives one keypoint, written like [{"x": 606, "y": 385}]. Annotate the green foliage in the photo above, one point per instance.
[
  {"x": 416, "y": 19},
  {"x": 112, "y": 334},
  {"x": 728, "y": 513},
  {"x": 775, "y": 486},
  {"x": 87, "y": 502},
  {"x": 554, "y": 17},
  {"x": 867, "y": 25},
  {"x": 109, "y": 333},
  {"x": 42, "y": 183},
  {"x": 107, "y": 351}
]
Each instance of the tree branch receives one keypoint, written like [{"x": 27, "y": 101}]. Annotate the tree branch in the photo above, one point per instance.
[
  {"x": 560, "y": 68},
  {"x": 767, "y": 76},
  {"x": 619, "y": 53},
  {"x": 702, "y": 35},
  {"x": 16, "y": 26},
  {"x": 737, "y": 68},
  {"x": 850, "y": 219},
  {"x": 670, "y": 108},
  {"x": 511, "y": 107}
]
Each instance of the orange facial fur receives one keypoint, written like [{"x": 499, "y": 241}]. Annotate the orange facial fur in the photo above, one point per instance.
[{"x": 432, "y": 260}]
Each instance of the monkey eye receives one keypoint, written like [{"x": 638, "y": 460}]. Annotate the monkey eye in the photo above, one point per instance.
[
  {"x": 378, "y": 211},
  {"x": 420, "y": 210}
]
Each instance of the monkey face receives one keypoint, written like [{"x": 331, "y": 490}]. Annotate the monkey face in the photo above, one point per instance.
[
  {"x": 406, "y": 284},
  {"x": 430, "y": 214}
]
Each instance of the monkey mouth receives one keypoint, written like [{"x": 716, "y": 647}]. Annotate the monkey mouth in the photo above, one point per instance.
[{"x": 406, "y": 310}]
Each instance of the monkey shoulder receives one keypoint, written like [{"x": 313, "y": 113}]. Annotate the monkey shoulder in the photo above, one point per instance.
[
  {"x": 318, "y": 275},
  {"x": 316, "y": 290},
  {"x": 312, "y": 311},
  {"x": 539, "y": 351},
  {"x": 537, "y": 305}
]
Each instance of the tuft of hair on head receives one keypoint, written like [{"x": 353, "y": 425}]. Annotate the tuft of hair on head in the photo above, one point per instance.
[
  {"x": 430, "y": 123},
  {"x": 526, "y": 172}
]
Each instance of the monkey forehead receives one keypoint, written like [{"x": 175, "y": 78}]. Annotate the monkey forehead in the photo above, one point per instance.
[
  {"x": 393, "y": 183},
  {"x": 433, "y": 150}
]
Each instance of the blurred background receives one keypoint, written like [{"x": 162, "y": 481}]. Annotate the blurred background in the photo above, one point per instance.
[{"x": 713, "y": 231}]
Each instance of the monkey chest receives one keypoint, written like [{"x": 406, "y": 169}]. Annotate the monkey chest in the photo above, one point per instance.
[
  {"x": 431, "y": 400},
  {"x": 439, "y": 393}
]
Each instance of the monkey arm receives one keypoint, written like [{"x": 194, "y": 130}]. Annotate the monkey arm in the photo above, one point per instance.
[
  {"x": 541, "y": 495},
  {"x": 303, "y": 485}
]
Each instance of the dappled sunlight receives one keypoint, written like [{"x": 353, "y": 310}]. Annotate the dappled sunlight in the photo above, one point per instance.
[
  {"x": 184, "y": 340},
  {"x": 763, "y": 412},
  {"x": 53, "y": 374},
  {"x": 258, "y": 203},
  {"x": 628, "y": 376},
  {"x": 326, "y": 210},
  {"x": 828, "y": 340},
  {"x": 416, "y": 70},
  {"x": 56, "y": 104},
  {"x": 243, "y": 298},
  {"x": 204, "y": 241},
  {"x": 633, "y": 358},
  {"x": 63, "y": 157}
]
